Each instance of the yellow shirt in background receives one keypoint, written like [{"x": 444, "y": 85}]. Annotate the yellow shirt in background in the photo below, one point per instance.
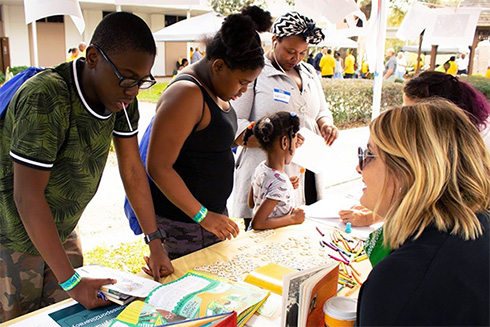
[
  {"x": 327, "y": 64},
  {"x": 488, "y": 73},
  {"x": 453, "y": 68},
  {"x": 349, "y": 64}
]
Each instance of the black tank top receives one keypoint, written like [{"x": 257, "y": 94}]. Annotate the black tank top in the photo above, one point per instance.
[{"x": 205, "y": 162}]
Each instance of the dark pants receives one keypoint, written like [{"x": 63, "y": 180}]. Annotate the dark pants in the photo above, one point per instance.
[
  {"x": 348, "y": 75},
  {"x": 311, "y": 195},
  {"x": 327, "y": 76}
]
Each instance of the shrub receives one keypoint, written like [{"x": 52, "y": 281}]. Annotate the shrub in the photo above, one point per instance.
[
  {"x": 480, "y": 83},
  {"x": 351, "y": 100},
  {"x": 17, "y": 69},
  {"x": 2, "y": 78}
]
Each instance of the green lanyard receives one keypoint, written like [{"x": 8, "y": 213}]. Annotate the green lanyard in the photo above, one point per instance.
[{"x": 374, "y": 247}]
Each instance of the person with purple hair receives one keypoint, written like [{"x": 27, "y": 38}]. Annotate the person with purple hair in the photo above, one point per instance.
[
  {"x": 431, "y": 84},
  {"x": 436, "y": 84}
]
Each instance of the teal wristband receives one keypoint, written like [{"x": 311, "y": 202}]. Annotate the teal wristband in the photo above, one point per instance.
[
  {"x": 200, "y": 215},
  {"x": 71, "y": 282}
]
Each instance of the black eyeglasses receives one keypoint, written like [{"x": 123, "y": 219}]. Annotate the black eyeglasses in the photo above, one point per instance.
[
  {"x": 126, "y": 82},
  {"x": 365, "y": 157}
]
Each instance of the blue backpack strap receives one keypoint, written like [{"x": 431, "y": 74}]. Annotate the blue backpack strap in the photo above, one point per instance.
[
  {"x": 128, "y": 210},
  {"x": 8, "y": 90}
]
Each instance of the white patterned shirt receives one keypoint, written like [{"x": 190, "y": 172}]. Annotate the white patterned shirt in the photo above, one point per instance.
[{"x": 268, "y": 183}]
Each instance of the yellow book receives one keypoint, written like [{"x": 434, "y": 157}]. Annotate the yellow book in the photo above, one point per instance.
[{"x": 269, "y": 277}]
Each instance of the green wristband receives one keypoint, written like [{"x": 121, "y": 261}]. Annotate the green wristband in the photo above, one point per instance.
[
  {"x": 200, "y": 215},
  {"x": 71, "y": 282}
]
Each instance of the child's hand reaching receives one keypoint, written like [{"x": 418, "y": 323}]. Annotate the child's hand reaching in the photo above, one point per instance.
[
  {"x": 295, "y": 181},
  {"x": 298, "y": 215}
]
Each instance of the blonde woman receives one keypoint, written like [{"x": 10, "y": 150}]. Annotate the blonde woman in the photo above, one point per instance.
[{"x": 427, "y": 173}]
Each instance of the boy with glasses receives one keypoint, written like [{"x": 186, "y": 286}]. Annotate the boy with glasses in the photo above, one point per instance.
[{"x": 54, "y": 142}]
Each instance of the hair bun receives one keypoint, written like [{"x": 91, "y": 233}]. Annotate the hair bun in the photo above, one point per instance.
[{"x": 261, "y": 18}]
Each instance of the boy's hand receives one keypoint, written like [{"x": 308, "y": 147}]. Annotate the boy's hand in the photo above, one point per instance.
[
  {"x": 158, "y": 264},
  {"x": 86, "y": 292},
  {"x": 220, "y": 225},
  {"x": 298, "y": 215}
]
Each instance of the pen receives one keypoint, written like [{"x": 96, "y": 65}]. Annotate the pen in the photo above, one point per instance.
[
  {"x": 343, "y": 257},
  {"x": 319, "y": 231},
  {"x": 101, "y": 295}
]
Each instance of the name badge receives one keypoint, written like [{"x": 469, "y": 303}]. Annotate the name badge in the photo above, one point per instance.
[{"x": 282, "y": 96}]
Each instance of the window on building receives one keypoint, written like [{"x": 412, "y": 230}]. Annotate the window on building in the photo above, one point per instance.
[
  {"x": 171, "y": 19},
  {"x": 52, "y": 19},
  {"x": 105, "y": 13}
]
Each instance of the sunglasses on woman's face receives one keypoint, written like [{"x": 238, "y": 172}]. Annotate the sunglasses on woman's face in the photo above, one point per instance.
[{"x": 365, "y": 157}]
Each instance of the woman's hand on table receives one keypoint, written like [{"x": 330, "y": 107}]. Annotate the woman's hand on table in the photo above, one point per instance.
[
  {"x": 86, "y": 292},
  {"x": 220, "y": 225},
  {"x": 357, "y": 216},
  {"x": 158, "y": 263},
  {"x": 329, "y": 133}
]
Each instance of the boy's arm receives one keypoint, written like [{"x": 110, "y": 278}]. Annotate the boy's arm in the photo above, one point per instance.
[
  {"x": 261, "y": 218},
  {"x": 34, "y": 211},
  {"x": 137, "y": 189}
]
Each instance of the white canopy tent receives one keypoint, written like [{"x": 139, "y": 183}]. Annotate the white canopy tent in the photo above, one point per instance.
[{"x": 191, "y": 29}]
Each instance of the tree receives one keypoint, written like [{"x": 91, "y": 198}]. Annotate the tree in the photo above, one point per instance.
[{"x": 227, "y": 7}]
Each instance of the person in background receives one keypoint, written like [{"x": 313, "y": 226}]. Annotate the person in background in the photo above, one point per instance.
[
  {"x": 271, "y": 195},
  {"x": 327, "y": 65},
  {"x": 285, "y": 84},
  {"x": 390, "y": 66},
  {"x": 462, "y": 63},
  {"x": 191, "y": 52},
  {"x": 310, "y": 59},
  {"x": 339, "y": 66},
  {"x": 487, "y": 74},
  {"x": 350, "y": 64},
  {"x": 73, "y": 54},
  {"x": 453, "y": 67},
  {"x": 401, "y": 65},
  {"x": 318, "y": 58},
  {"x": 364, "y": 68},
  {"x": 196, "y": 56},
  {"x": 427, "y": 173},
  {"x": 82, "y": 46},
  {"x": 54, "y": 141},
  {"x": 189, "y": 160}
]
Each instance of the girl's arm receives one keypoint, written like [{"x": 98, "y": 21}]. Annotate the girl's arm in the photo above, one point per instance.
[
  {"x": 179, "y": 110},
  {"x": 251, "y": 202},
  {"x": 261, "y": 218}
]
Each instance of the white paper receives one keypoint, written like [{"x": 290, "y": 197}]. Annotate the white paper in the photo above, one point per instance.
[
  {"x": 127, "y": 283},
  {"x": 37, "y": 9},
  {"x": 313, "y": 153},
  {"x": 414, "y": 23}
]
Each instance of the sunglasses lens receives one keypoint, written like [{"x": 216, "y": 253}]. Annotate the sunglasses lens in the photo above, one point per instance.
[{"x": 360, "y": 155}]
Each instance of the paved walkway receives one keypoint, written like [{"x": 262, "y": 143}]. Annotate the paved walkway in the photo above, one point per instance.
[{"x": 104, "y": 222}]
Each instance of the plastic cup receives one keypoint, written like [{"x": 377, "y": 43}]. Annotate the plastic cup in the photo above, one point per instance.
[{"x": 340, "y": 311}]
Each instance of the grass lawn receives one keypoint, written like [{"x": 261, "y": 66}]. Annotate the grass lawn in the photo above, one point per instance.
[{"x": 152, "y": 94}]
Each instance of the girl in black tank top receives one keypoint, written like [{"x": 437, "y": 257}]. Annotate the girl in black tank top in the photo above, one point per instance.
[{"x": 189, "y": 156}]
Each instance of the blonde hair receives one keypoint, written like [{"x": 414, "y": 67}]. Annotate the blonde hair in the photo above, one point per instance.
[{"x": 441, "y": 170}]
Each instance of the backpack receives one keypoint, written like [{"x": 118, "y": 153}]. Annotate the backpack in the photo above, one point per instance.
[
  {"x": 128, "y": 210},
  {"x": 8, "y": 90}
]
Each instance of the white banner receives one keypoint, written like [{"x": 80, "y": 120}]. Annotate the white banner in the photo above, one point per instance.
[
  {"x": 37, "y": 9},
  {"x": 448, "y": 27}
]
